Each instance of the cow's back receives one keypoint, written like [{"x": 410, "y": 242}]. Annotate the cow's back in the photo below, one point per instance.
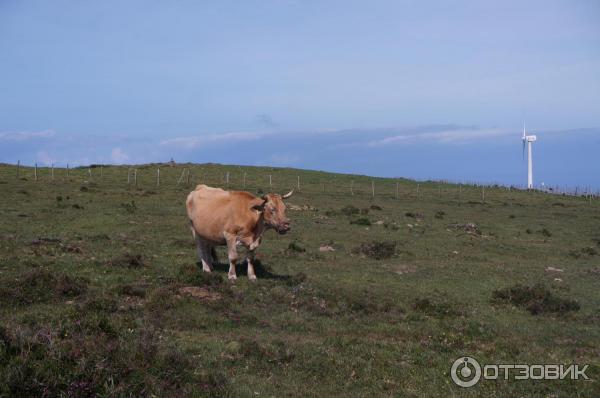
[{"x": 213, "y": 211}]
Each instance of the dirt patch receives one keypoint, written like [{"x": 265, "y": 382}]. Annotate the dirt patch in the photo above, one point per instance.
[
  {"x": 200, "y": 293},
  {"x": 435, "y": 307},
  {"x": 301, "y": 207},
  {"x": 405, "y": 269},
  {"x": 127, "y": 260},
  {"x": 376, "y": 250},
  {"x": 326, "y": 248},
  {"x": 469, "y": 228},
  {"x": 536, "y": 299}
]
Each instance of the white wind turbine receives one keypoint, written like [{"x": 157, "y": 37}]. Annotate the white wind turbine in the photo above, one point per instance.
[{"x": 528, "y": 139}]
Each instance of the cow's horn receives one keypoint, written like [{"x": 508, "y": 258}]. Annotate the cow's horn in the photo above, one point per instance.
[{"x": 287, "y": 195}]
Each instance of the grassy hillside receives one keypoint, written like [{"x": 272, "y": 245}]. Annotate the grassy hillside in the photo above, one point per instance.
[{"x": 100, "y": 292}]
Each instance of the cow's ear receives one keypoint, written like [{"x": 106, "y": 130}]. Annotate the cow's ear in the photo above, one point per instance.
[{"x": 259, "y": 208}]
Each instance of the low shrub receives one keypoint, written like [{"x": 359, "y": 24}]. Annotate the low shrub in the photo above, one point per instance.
[
  {"x": 349, "y": 210},
  {"x": 583, "y": 252},
  {"x": 536, "y": 299},
  {"x": 129, "y": 207},
  {"x": 294, "y": 247},
  {"x": 39, "y": 286},
  {"x": 361, "y": 221},
  {"x": 376, "y": 250},
  {"x": 127, "y": 260},
  {"x": 435, "y": 308}
]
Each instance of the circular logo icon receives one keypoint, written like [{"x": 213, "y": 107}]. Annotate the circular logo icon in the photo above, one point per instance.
[{"x": 465, "y": 372}]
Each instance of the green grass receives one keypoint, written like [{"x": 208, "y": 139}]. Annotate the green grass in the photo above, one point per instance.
[{"x": 91, "y": 271}]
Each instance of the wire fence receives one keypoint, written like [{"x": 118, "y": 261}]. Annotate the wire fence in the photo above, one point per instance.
[{"x": 169, "y": 176}]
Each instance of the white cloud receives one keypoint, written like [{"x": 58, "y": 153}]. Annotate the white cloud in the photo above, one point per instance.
[
  {"x": 25, "y": 135},
  {"x": 117, "y": 155},
  {"x": 445, "y": 136},
  {"x": 195, "y": 142},
  {"x": 45, "y": 158}
]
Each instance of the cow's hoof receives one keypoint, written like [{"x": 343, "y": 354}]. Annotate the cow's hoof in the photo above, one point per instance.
[
  {"x": 252, "y": 278},
  {"x": 232, "y": 277}
]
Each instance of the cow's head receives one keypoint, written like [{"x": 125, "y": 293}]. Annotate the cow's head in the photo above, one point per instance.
[{"x": 273, "y": 210}]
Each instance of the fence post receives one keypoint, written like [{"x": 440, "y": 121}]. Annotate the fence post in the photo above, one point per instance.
[
  {"x": 352, "y": 187},
  {"x": 483, "y": 193},
  {"x": 397, "y": 189},
  {"x": 67, "y": 170},
  {"x": 101, "y": 175},
  {"x": 373, "y": 187},
  {"x": 35, "y": 172},
  {"x": 158, "y": 177},
  {"x": 181, "y": 177},
  {"x": 90, "y": 172},
  {"x": 298, "y": 183},
  {"x": 135, "y": 177},
  {"x": 128, "y": 175},
  {"x": 227, "y": 178},
  {"x": 270, "y": 181}
]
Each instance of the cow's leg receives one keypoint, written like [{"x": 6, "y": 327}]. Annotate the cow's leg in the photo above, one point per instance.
[
  {"x": 232, "y": 254},
  {"x": 250, "y": 260},
  {"x": 203, "y": 250},
  {"x": 213, "y": 255}
]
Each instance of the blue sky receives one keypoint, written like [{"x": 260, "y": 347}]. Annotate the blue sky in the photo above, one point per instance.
[{"x": 421, "y": 89}]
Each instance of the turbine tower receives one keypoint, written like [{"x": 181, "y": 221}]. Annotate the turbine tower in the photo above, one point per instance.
[{"x": 528, "y": 139}]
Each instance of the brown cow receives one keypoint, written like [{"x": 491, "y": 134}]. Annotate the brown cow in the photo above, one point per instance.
[{"x": 233, "y": 218}]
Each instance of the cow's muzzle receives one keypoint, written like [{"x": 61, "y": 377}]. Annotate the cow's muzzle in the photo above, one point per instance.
[{"x": 283, "y": 228}]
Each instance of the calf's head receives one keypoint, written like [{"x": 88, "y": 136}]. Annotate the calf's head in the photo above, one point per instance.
[{"x": 273, "y": 210}]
